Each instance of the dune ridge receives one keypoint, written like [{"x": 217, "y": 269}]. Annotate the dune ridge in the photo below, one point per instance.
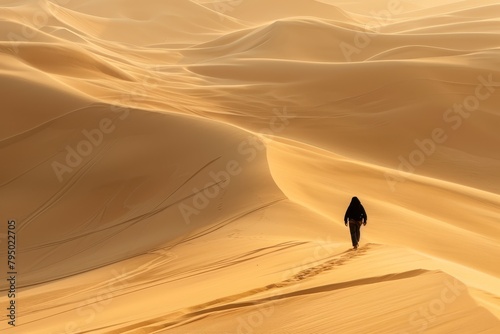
[{"x": 184, "y": 166}]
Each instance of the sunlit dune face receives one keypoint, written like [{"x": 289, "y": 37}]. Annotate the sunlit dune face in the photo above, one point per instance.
[{"x": 188, "y": 166}]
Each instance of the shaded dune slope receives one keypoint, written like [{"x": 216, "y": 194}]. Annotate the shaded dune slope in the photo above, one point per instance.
[{"x": 193, "y": 160}]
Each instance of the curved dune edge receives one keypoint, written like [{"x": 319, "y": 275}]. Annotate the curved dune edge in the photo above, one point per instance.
[{"x": 183, "y": 166}]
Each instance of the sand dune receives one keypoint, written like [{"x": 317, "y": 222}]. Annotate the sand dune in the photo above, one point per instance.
[
  {"x": 184, "y": 166},
  {"x": 256, "y": 11}
]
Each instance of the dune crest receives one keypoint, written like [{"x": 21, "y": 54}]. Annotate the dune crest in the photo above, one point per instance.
[{"x": 184, "y": 166}]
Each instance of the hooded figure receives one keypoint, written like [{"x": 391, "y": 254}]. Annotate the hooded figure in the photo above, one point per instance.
[{"x": 355, "y": 216}]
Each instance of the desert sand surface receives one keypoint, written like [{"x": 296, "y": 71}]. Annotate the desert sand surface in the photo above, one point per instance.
[{"x": 184, "y": 166}]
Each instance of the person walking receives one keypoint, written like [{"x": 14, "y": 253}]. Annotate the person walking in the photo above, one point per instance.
[{"x": 355, "y": 216}]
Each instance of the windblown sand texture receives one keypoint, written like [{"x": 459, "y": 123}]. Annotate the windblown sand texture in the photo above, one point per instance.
[{"x": 183, "y": 166}]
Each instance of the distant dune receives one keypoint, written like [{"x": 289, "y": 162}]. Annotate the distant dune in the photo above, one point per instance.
[{"x": 184, "y": 166}]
